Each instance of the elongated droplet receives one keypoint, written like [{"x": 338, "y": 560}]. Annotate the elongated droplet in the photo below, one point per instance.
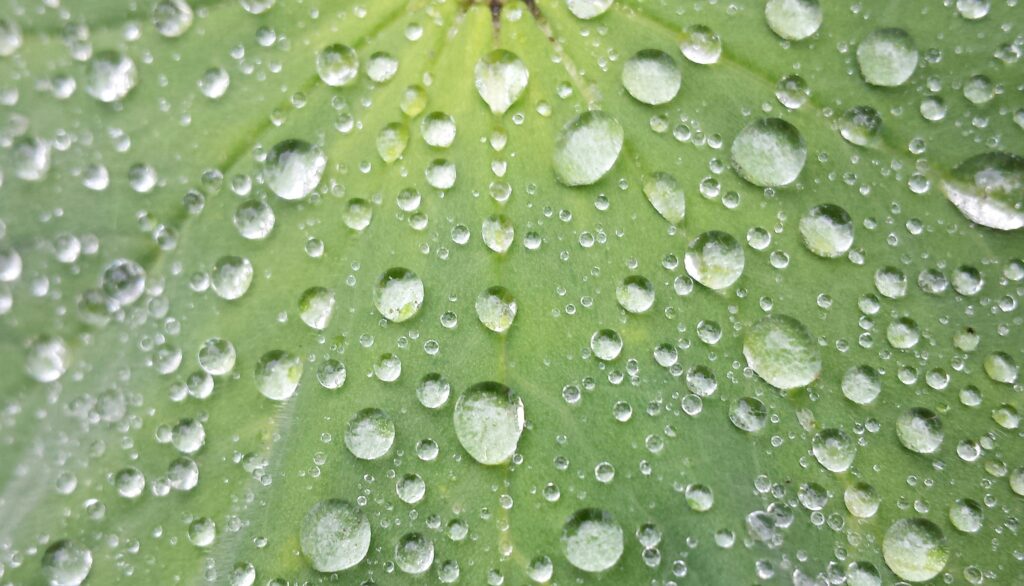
[
  {"x": 500, "y": 78},
  {"x": 488, "y": 421},
  {"x": 988, "y": 189},
  {"x": 587, "y": 148},
  {"x": 781, "y": 351}
]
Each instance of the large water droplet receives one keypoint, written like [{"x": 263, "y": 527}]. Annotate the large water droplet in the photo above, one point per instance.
[
  {"x": 635, "y": 294},
  {"x": 793, "y": 20},
  {"x": 827, "y": 231},
  {"x": 123, "y": 281},
  {"x": 606, "y": 344},
  {"x": 496, "y": 308},
  {"x": 392, "y": 141},
  {"x": 920, "y": 430},
  {"x": 110, "y": 76},
  {"x": 414, "y": 553},
  {"x": 701, "y": 45},
  {"x": 31, "y": 158},
  {"x": 915, "y": 549},
  {"x": 833, "y": 449},
  {"x": 781, "y": 351},
  {"x": 316, "y": 306},
  {"x": 592, "y": 540},
  {"x": 887, "y": 57},
  {"x": 500, "y": 78},
  {"x": 861, "y": 384},
  {"x": 66, "y": 563},
  {"x": 860, "y": 125},
  {"x": 277, "y": 374},
  {"x": 294, "y": 168},
  {"x": 398, "y": 294},
  {"x": 769, "y": 153},
  {"x": 370, "y": 434},
  {"x": 665, "y": 194},
  {"x": 587, "y": 9},
  {"x": 714, "y": 259},
  {"x": 172, "y": 18},
  {"x": 231, "y": 277},
  {"x": 652, "y": 77},
  {"x": 989, "y": 190},
  {"x": 217, "y": 356},
  {"x": 489, "y": 419},
  {"x": 337, "y": 65},
  {"x": 438, "y": 129},
  {"x": 335, "y": 535},
  {"x": 587, "y": 148},
  {"x": 48, "y": 358}
]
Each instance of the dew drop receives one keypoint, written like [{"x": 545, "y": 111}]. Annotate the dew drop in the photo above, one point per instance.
[
  {"x": 652, "y": 77},
  {"x": 827, "y": 231},
  {"x": 337, "y": 65},
  {"x": 887, "y": 57},
  {"x": 915, "y": 549},
  {"x": 665, "y": 194},
  {"x": 231, "y": 277},
  {"x": 920, "y": 430},
  {"x": 335, "y": 535},
  {"x": 500, "y": 78},
  {"x": 111, "y": 76},
  {"x": 66, "y": 563},
  {"x": 293, "y": 168},
  {"x": 701, "y": 45},
  {"x": 793, "y": 20},
  {"x": 316, "y": 305},
  {"x": 277, "y": 374},
  {"x": 496, "y": 308},
  {"x": 769, "y": 153},
  {"x": 606, "y": 344},
  {"x": 48, "y": 358},
  {"x": 714, "y": 259},
  {"x": 489, "y": 420},
  {"x": 988, "y": 189},
  {"x": 833, "y": 449},
  {"x": 587, "y": 148},
  {"x": 398, "y": 294},
  {"x": 781, "y": 351},
  {"x": 370, "y": 434},
  {"x": 592, "y": 540},
  {"x": 587, "y": 9}
]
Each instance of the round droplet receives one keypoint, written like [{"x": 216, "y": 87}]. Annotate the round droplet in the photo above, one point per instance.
[
  {"x": 652, "y": 77},
  {"x": 214, "y": 82},
  {"x": 714, "y": 259},
  {"x": 441, "y": 174},
  {"x": 10, "y": 37},
  {"x": 66, "y": 563},
  {"x": 635, "y": 294},
  {"x": 973, "y": 9},
  {"x": 316, "y": 306},
  {"x": 587, "y": 148},
  {"x": 31, "y": 158},
  {"x": 587, "y": 9},
  {"x": 988, "y": 189},
  {"x": 293, "y": 168},
  {"x": 827, "y": 231},
  {"x": 381, "y": 67},
  {"x": 231, "y": 277},
  {"x": 433, "y": 391},
  {"x": 792, "y": 91},
  {"x": 202, "y": 532},
  {"x": 887, "y": 57},
  {"x": 500, "y": 78},
  {"x": 861, "y": 384},
  {"x": 388, "y": 367},
  {"x": 915, "y": 549},
  {"x": 606, "y": 344},
  {"x": 489, "y": 419},
  {"x": 903, "y": 333},
  {"x": 277, "y": 374},
  {"x": 398, "y": 294},
  {"x": 665, "y": 194},
  {"x": 769, "y": 153},
  {"x": 966, "y": 515},
  {"x": 862, "y": 500},
  {"x": 172, "y": 18},
  {"x": 411, "y": 488},
  {"x": 438, "y": 129},
  {"x": 920, "y": 430},
  {"x": 592, "y": 540},
  {"x": 217, "y": 356},
  {"x": 748, "y": 414},
  {"x": 833, "y": 449},
  {"x": 701, "y": 45},
  {"x": 129, "y": 482},
  {"x": 48, "y": 358},
  {"x": 414, "y": 553},
  {"x": 335, "y": 535},
  {"x": 337, "y": 65},
  {"x": 793, "y": 20},
  {"x": 1001, "y": 367},
  {"x": 781, "y": 351},
  {"x": 254, "y": 219},
  {"x": 110, "y": 76},
  {"x": 10, "y": 265},
  {"x": 370, "y": 434},
  {"x": 496, "y": 308},
  {"x": 331, "y": 374},
  {"x": 124, "y": 281},
  {"x": 860, "y": 125}
]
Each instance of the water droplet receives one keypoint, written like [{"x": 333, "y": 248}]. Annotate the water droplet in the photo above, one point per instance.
[
  {"x": 277, "y": 374},
  {"x": 827, "y": 231},
  {"x": 989, "y": 190},
  {"x": 31, "y": 158},
  {"x": 861, "y": 384},
  {"x": 498, "y": 233},
  {"x": 769, "y": 153},
  {"x": 398, "y": 294},
  {"x": 370, "y": 434},
  {"x": 973, "y": 9},
  {"x": 966, "y": 515},
  {"x": 792, "y": 91},
  {"x": 860, "y": 125},
  {"x": 592, "y": 540},
  {"x": 438, "y": 129},
  {"x": 862, "y": 500},
  {"x": 214, "y": 83},
  {"x": 202, "y": 532},
  {"x": 665, "y": 194},
  {"x": 381, "y": 67},
  {"x": 129, "y": 482},
  {"x": 903, "y": 333},
  {"x": 714, "y": 259},
  {"x": 414, "y": 553},
  {"x": 172, "y": 18},
  {"x": 433, "y": 391},
  {"x": 10, "y": 37},
  {"x": 392, "y": 141},
  {"x": 920, "y": 430},
  {"x": 337, "y": 65},
  {"x": 48, "y": 358},
  {"x": 217, "y": 356},
  {"x": 701, "y": 45},
  {"x": 587, "y": 148},
  {"x": 915, "y": 549},
  {"x": 331, "y": 374},
  {"x": 316, "y": 306},
  {"x": 587, "y": 9},
  {"x": 335, "y": 535},
  {"x": 781, "y": 351},
  {"x": 231, "y": 277},
  {"x": 440, "y": 174},
  {"x": 496, "y": 308},
  {"x": 254, "y": 219},
  {"x": 652, "y": 77},
  {"x": 500, "y": 78},
  {"x": 358, "y": 214},
  {"x": 111, "y": 76},
  {"x": 388, "y": 367},
  {"x": 833, "y": 449},
  {"x": 293, "y": 168},
  {"x": 66, "y": 563},
  {"x": 635, "y": 294},
  {"x": 1001, "y": 367},
  {"x": 748, "y": 414},
  {"x": 606, "y": 344},
  {"x": 887, "y": 57},
  {"x": 793, "y": 20},
  {"x": 489, "y": 419}
]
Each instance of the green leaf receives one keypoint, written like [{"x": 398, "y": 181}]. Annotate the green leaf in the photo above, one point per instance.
[{"x": 510, "y": 294}]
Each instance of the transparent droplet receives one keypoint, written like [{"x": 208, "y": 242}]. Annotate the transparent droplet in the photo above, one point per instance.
[
  {"x": 254, "y": 219},
  {"x": 30, "y": 158},
  {"x": 440, "y": 174},
  {"x": 887, "y": 57},
  {"x": 587, "y": 9},
  {"x": 433, "y": 391},
  {"x": 331, "y": 374},
  {"x": 769, "y": 153},
  {"x": 606, "y": 344},
  {"x": 217, "y": 356},
  {"x": 392, "y": 141},
  {"x": 701, "y": 45},
  {"x": 833, "y": 449},
  {"x": 438, "y": 129},
  {"x": 665, "y": 194},
  {"x": 293, "y": 168},
  {"x": 748, "y": 414},
  {"x": 111, "y": 76},
  {"x": 792, "y": 91},
  {"x": 860, "y": 125},
  {"x": 214, "y": 82},
  {"x": 381, "y": 67},
  {"x": 592, "y": 540},
  {"x": 966, "y": 515},
  {"x": 988, "y": 189},
  {"x": 231, "y": 277},
  {"x": 370, "y": 434},
  {"x": 500, "y": 78},
  {"x": 414, "y": 553},
  {"x": 781, "y": 351},
  {"x": 587, "y": 148},
  {"x": 973, "y": 9},
  {"x": 827, "y": 231},
  {"x": 66, "y": 563},
  {"x": 793, "y": 20},
  {"x": 337, "y": 65},
  {"x": 316, "y": 305},
  {"x": 277, "y": 374},
  {"x": 915, "y": 549},
  {"x": 172, "y": 18},
  {"x": 411, "y": 488},
  {"x": 489, "y": 419},
  {"x": 10, "y": 37},
  {"x": 861, "y": 384},
  {"x": 496, "y": 308},
  {"x": 498, "y": 233},
  {"x": 398, "y": 294},
  {"x": 335, "y": 535},
  {"x": 48, "y": 358},
  {"x": 920, "y": 430},
  {"x": 714, "y": 259},
  {"x": 652, "y": 77}
]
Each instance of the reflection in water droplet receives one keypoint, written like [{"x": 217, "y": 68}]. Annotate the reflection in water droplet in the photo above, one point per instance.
[
  {"x": 48, "y": 358},
  {"x": 587, "y": 9},
  {"x": 652, "y": 77},
  {"x": 915, "y": 549},
  {"x": 294, "y": 168},
  {"x": 438, "y": 129},
  {"x": 398, "y": 294},
  {"x": 66, "y": 563},
  {"x": 335, "y": 535},
  {"x": 635, "y": 294},
  {"x": 920, "y": 430},
  {"x": 592, "y": 540},
  {"x": 606, "y": 344},
  {"x": 587, "y": 148},
  {"x": 860, "y": 125},
  {"x": 887, "y": 57},
  {"x": 988, "y": 189},
  {"x": 748, "y": 414},
  {"x": 500, "y": 78},
  {"x": 392, "y": 141},
  {"x": 496, "y": 308},
  {"x": 701, "y": 45},
  {"x": 793, "y": 20},
  {"x": 781, "y": 351},
  {"x": 861, "y": 384},
  {"x": 369, "y": 434},
  {"x": 769, "y": 153},
  {"x": 489, "y": 419},
  {"x": 381, "y": 67},
  {"x": 172, "y": 18},
  {"x": 316, "y": 305},
  {"x": 665, "y": 194},
  {"x": 414, "y": 553},
  {"x": 337, "y": 65},
  {"x": 433, "y": 391},
  {"x": 111, "y": 76},
  {"x": 827, "y": 231},
  {"x": 277, "y": 374},
  {"x": 833, "y": 449},
  {"x": 714, "y": 259},
  {"x": 498, "y": 233}
]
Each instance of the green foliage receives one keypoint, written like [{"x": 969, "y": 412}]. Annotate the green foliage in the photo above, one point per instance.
[{"x": 538, "y": 237}]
